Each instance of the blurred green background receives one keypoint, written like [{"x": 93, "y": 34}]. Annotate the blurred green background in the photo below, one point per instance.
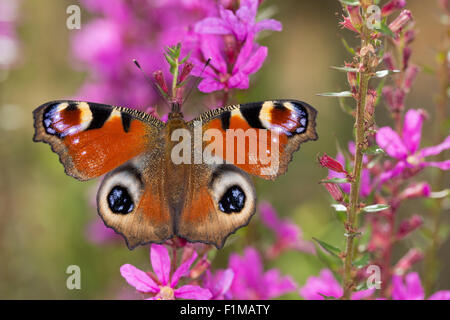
[{"x": 44, "y": 213}]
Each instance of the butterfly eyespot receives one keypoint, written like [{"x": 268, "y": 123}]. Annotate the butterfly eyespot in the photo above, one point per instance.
[
  {"x": 119, "y": 200},
  {"x": 233, "y": 200}
]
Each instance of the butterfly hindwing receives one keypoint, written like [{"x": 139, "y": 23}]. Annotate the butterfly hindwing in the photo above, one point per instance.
[
  {"x": 92, "y": 139},
  {"x": 219, "y": 200},
  {"x": 260, "y": 138}
]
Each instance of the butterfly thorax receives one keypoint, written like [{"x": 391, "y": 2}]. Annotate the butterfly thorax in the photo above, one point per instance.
[{"x": 177, "y": 174}]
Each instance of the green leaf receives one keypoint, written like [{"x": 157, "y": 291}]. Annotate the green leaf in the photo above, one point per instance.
[
  {"x": 384, "y": 29},
  {"x": 440, "y": 194},
  {"x": 376, "y": 208},
  {"x": 362, "y": 262},
  {"x": 343, "y": 94},
  {"x": 339, "y": 207},
  {"x": 335, "y": 180},
  {"x": 350, "y": 3},
  {"x": 345, "y": 69},
  {"x": 329, "y": 248},
  {"x": 185, "y": 58},
  {"x": 347, "y": 47},
  {"x": 331, "y": 262},
  {"x": 384, "y": 73},
  {"x": 374, "y": 150},
  {"x": 341, "y": 216}
]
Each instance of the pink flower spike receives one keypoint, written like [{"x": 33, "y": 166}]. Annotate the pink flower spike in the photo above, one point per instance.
[
  {"x": 288, "y": 234},
  {"x": 138, "y": 279},
  {"x": 192, "y": 292}
]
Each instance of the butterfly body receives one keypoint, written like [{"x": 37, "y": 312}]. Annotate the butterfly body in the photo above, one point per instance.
[{"x": 148, "y": 194}]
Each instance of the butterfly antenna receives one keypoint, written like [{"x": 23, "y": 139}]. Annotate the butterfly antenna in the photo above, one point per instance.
[
  {"x": 197, "y": 82},
  {"x": 150, "y": 81}
]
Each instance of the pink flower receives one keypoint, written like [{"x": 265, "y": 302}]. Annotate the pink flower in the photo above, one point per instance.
[
  {"x": 410, "y": 288},
  {"x": 288, "y": 234},
  {"x": 98, "y": 233},
  {"x": 325, "y": 285},
  {"x": 217, "y": 76},
  {"x": 250, "y": 282},
  {"x": 240, "y": 24},
  {"x": 219, "y": 283},
  {"x": 406, "y": 148},
  {"x": 161, "y": 284}
]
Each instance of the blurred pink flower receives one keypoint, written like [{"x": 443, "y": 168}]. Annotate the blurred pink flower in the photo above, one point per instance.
[
  {"x": 410, "y": 288},
  {"x": 219, "y": 283},
  {"x": 240, "y": 24},
  {"x": 288, "y": 234},
  {"x": 250, "y": 282},
  {"x": 161, "y": 284},
  {"x": 406, "y": 148},
  {"x": 325, "y": 285},
  {"x": 9, "y": 43},
  {"x": 98, "y": 233}
]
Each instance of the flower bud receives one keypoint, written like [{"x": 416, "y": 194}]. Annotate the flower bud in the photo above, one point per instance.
[
  {"x": 389, "y": 61},
  {"x": 410, "y": 76},
  {"x": 332, "y": 164},
  {"x": 200, "y": 267},
  {"x": 406, "y": 55},
  {"x": 403, "y": 18},
  {"x": 391, "y": 6},
  {"x": 355, "y": 16},
  {"x": 416, "y": 190},
  {"x": 160, "y": 81},
  {"x": 414, "y": 255},
  {"x": 335, "y": 191},
  {"x": 408, "y": 226},
  {"x": 187, "y": 68}
]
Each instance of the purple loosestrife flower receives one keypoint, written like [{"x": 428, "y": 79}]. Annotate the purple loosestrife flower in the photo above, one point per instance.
[
  {"x": 288, "y": 234},
  {"x": 217, "y": 75},
  {"x": 410, "y": 288},
  {"x": 219, "y": 283},
  {"x": 241, "y": 24},
  {"x": 325, "y": 285},
  {"x": 98, "y": 233},
  {"x": 163, "y": 286},
  {"x": 229, "y": 40},
  {"x": 406, "y": 148},
  {"x": 250, "y": 282}
]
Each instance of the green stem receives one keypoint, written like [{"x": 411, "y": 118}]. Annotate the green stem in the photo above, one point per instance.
[
  {"x": 175, "y": 79},
  {"x": 353, "y": 209}
]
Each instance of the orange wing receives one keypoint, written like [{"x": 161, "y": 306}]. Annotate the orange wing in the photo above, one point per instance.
[
  {"x": 92, "y": 139},
  {"x": 260, "y": 137}
]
